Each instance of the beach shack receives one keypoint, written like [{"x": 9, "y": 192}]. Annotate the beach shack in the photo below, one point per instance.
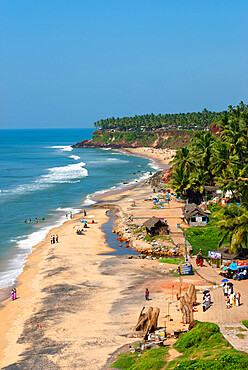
[
  {"x": 193, "y": 215},
  {"x": 215, "y": 258},
  {"x": 156, "y": 226}
]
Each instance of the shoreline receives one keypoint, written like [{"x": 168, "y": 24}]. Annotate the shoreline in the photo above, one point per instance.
[
  {"x": 29, "y": 281},
  {"x": 93, "y": 199}
]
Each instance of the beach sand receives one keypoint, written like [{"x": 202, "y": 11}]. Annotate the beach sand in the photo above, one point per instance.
[
  {"x": 86, "y": 303},
  {"x": 163, "y": 156}
]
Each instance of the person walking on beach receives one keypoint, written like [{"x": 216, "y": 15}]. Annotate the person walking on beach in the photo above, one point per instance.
[
  {"x": 85, "y": 213},
  {"x": 51, "y": 239},
  {"x": 238, "y": 295},
  {"x": 147, "y": 294},
  {"x": 226, "y": 289},
  {"x": 228, "y": 302},
  {"x": 57, "y": 238},
  {"x": 12, "y": 294}
]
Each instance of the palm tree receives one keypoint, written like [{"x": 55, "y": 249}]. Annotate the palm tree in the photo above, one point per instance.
[
  {"x": 184, "y": 159},
  {"x": 202, "y": 149},
  {"x": 234, "y": 226},
  {"x": 222, "y": 161},
  {"x": 179, "y": 180},
  {"x": 242, "y": 228}
]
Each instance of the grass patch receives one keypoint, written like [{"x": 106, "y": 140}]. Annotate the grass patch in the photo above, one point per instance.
[
  {"x": 235, "y": 328},
  {"x": 241, "y": 336},
  {"x": 152, "y": 359},
  {"x": 150, "y": 238},
  {"x": 245, "y": 323},
  {"x": 206, "y": 239},
  {"x": 174, "y": 261},
  {"x": 125, "y": 361},
  {"x": 205, "y": 348},
  {"x": 174, "y": 273}
]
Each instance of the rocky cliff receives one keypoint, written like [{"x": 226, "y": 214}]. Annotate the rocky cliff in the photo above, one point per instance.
[{"x": 173, "y": 139}]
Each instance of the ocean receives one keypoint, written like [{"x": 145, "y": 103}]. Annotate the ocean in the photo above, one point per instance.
[{"x": 42, "y": 176}]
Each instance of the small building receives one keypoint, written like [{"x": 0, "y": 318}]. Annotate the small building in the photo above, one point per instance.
[
  {"x": 215, "y": 258},
  {"x": 195, "y": 216},
  {"x": 156, "y": 226}
]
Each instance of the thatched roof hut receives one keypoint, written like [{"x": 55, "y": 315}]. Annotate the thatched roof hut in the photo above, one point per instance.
[
  {"x": 242, "y": 254},
  {"x": 194, "y": 215},
  {"x": 156, "y": 226}
]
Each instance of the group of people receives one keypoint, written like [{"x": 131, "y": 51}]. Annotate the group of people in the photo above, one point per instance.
[
  {"x": 54, "y": 239},
  {"x": 233, "y": 299},
  {"x": 13, "y": 294},
  {"x": 69, "y": 215},
  {"x": 35, "y": 220}
]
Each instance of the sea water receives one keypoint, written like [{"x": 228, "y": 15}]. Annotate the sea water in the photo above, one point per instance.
[{"x": 42, "y": 176}]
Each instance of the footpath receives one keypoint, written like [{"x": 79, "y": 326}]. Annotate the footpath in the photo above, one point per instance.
[{"x": 229, "y": 320}]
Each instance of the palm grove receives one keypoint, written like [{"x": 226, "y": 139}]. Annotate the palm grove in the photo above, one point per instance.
[{"x": 219, "y": 160}]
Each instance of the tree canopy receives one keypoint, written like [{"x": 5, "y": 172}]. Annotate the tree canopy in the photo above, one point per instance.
[
  {"x": 194, "y": 120},
  {"x": 219, "y": 160}
]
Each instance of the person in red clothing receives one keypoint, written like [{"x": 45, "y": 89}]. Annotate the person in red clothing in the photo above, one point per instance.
[
  {"x": 201, "y": 262},
  {"x": 147, "y": 294}
]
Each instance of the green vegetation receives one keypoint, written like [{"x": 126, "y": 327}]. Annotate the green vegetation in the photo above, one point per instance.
[
  {"x": 149, "y": 238},
  {"x": 241, "y": 336},
  {"x": 205, "y": 348},
  {"x": 239, "y": 328},
  {"x": 206, "y": 239},
  {"x": 139, "y": 138},
  {"x": 201, "y": 348},
  {"x": 245, "y": 323},
  {"x": 219, "y": 161},
  {"x": 174, "y": 261},
  {"x": 154, "y": 359},
  {"x": 199, "y": 120}
]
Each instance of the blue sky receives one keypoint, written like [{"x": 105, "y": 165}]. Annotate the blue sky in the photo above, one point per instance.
[{"x": 70, "y": 63}]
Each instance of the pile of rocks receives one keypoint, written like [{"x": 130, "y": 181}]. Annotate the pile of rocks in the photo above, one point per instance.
[{"x": 159, "y": 248}]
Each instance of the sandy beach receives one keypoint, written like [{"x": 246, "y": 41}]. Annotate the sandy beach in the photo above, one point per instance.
[
  {"x": 76, "y": 306},
  {"x": 162, "y": 156}
]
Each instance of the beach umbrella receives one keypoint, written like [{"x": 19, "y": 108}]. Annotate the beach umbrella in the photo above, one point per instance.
[
  {"x": 224, "y": 280},
  {"x": 206, "y": 291},
  {"x": 77, "y": 227},
  {"x": 91, "y": 216},
  {"x": 130, "y": 200},
  {"x": 230, "y": 284}
]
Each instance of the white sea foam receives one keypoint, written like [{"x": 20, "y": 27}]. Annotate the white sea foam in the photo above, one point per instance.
[
  {"x": 117, "y": 160},
  {"x": 63, "y": 148},
  {"x": 56, "y": 175},
  {"x": 14, "y": 266},
  {"x": 76, "y": 157},
  {"x": 64, "y": 174},
  {"x": 153, "y": 165},
  {"x": 68, "y": 210},
  {"x": 88, "y": 201}
]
